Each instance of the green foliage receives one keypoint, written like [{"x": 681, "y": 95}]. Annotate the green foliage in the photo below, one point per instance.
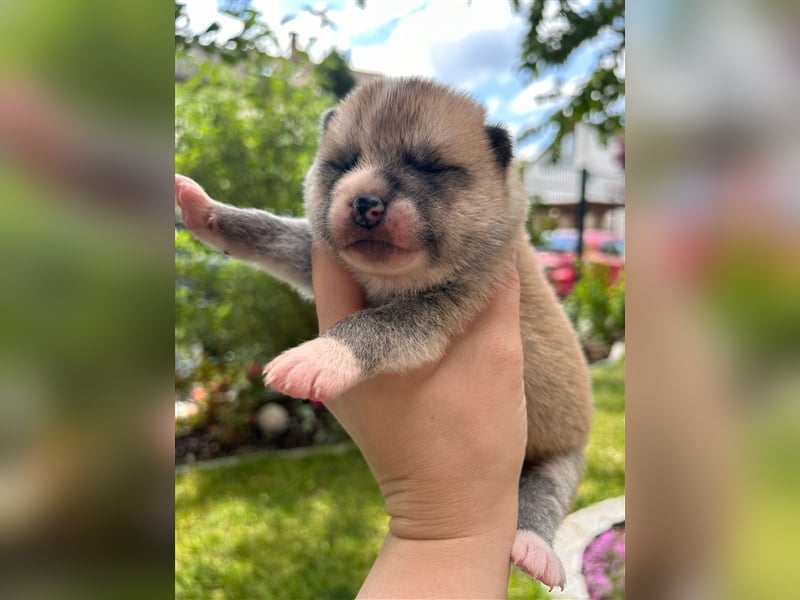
[
  {"x": 310, "y": 527},
  {"x": 254, "y": 36},
  {"x": 538, "y": 224},
  {"x": 596, "y": 307},
  {"x": 236, "y": 313},
  {"x": 334, "y": 75},
  {"x": 228, "y": 318},
  {"x": 249, "y": 139},
  {"x": 557, "y": 29},
  {"x": 247, "y": 132}
]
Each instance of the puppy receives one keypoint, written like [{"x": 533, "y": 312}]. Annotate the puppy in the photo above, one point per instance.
[{"x": 417, "y": 195}]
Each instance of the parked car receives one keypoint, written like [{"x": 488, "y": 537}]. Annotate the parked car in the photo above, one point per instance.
[{"x": 558, "y": 248}]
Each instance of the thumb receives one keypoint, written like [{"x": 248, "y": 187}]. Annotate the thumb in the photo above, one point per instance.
[{"x": 336, "y": 292}]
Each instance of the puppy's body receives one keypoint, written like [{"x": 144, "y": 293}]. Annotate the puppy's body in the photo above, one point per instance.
[{"x": 417, "y": 196}]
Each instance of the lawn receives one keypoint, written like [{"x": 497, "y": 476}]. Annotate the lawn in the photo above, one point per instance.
[{"x": 309, "y": 526}]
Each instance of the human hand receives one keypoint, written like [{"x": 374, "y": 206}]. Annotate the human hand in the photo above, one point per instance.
[{"x": 445, "y": 443}]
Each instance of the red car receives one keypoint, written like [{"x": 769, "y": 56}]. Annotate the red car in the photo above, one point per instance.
[{"x": 558, "y": 247}]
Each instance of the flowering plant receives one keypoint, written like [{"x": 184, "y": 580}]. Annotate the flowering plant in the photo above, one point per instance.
[{"x": 604, "y": 565}]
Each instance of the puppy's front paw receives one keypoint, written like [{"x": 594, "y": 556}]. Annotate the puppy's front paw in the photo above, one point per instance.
[
  {"x": 537, "y": 559},
  {"x": 199, "y": 212},
  {"x": 317, "y": 370},
  {"x": 194, "y": 203}
]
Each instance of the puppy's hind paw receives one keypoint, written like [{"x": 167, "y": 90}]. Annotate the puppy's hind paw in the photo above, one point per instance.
[
  {"x": 317, "y": 370},
  {"x": 534, "y": 557}
]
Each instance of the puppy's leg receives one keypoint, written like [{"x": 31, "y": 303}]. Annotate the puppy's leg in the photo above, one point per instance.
[
  {"x": 546, "y": 489},
  {"x": 279, "y": 245},
  {"x": 405, "y": 333}
]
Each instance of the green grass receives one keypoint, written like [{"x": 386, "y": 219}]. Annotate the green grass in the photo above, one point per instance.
[{"x": 310, "y": 527}]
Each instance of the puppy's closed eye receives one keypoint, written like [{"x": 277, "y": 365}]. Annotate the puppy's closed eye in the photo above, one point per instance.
[
  {"x": 343, "y": 161},
  {"x": 429, "y": 164}
]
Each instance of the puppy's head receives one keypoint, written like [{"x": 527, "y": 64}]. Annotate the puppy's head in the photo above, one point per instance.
[{"x": 410, "y": 185}]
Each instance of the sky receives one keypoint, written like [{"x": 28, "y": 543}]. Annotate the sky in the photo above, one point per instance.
[{"x": 473, "y": 45}]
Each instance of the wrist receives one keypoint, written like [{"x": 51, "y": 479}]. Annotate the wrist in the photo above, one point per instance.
[
  {"x": 426, "y": 511},
  {"x": 471, "y": 566}
]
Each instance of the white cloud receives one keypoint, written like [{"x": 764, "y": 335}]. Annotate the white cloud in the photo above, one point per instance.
[
  {"x": 353, "y": 21},
  {"x": 202, "y": 13},
  {"x": 421, "y": 25},
  {"x": 531, "y": 97},
  {"x": 408, "y": 50}
]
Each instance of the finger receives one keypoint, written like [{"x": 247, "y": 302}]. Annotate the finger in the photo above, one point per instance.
[{"x": 337, "y": 294}]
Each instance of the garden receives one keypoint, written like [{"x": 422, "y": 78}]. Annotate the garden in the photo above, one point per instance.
[
  {"x": 309, "y": 524},
  {"x": 271, "y": 499}
]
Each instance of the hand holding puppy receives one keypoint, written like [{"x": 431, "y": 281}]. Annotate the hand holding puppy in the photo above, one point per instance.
[{"x": 445, "y": 443}]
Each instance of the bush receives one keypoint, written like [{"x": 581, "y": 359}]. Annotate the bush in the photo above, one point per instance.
[
  {"x": 247, "y": 132},
  {"x": 597, "y": 308},
  {"x": 230, "y": 321}
]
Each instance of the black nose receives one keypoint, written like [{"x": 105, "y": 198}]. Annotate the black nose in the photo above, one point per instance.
[{"x": 367, "y": 210}]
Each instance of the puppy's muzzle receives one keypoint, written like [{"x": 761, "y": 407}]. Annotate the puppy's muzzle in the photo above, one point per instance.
[{"x": 368, "y": 210}]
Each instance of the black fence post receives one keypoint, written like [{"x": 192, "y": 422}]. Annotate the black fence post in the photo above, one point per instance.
[{"x": 579, "y": 218}]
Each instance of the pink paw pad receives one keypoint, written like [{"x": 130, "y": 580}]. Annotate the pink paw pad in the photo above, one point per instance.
[
  {"x": 193, "y": 202},
  {"x": 317, "y": 370},
  {"x": 533, "y": 556}
]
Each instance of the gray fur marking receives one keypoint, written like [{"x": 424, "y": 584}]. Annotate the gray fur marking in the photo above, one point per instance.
[
  {"x": 405, "y": 332},
  {"x": 546, "y": 489},
  {"x": 279, "y": 245}
]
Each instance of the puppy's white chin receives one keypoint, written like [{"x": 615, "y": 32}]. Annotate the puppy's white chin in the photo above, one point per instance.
[{"x": 382, "y": 259}]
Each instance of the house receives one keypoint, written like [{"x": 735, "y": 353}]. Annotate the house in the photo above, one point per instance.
[{"x": 556, "y": 188}]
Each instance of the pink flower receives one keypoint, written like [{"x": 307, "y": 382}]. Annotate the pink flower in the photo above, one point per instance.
[{"x": 604, "y": 565}]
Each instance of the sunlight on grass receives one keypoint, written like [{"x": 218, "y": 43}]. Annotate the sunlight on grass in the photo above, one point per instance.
[{"x": 278, "y": 527}]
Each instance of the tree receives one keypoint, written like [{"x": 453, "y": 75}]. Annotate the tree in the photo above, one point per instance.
[
  {"x": 248, "y": 134},
  {"x": 255, "y": 36},
  {"x": 558, "y": 29},
  {"x": 334, "y": 75}
]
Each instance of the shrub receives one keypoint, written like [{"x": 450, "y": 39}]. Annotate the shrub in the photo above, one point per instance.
[
  {"x": 247, "y": 132},
  {"x": 597, "y": 308}
]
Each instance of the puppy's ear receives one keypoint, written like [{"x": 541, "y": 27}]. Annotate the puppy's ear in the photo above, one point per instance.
[
  {"x": 326, "y": 119},
  {"x": 500, "y": 141}
]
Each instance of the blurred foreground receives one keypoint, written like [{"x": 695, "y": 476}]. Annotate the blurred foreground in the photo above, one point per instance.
[
  {"x": 713, "y": 336},
  {"x": 86, "y": 304}
]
